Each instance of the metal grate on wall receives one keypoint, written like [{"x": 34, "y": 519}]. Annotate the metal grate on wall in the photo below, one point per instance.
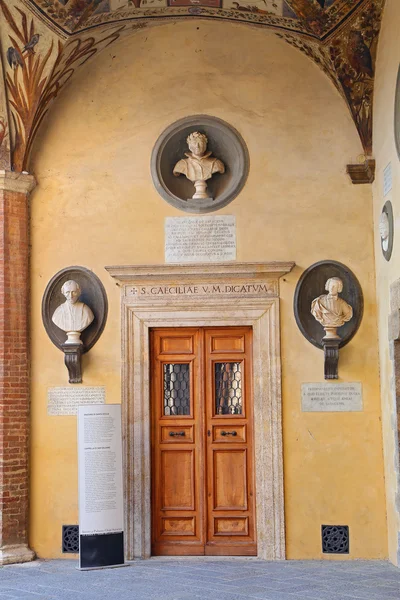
[
  {"x": 335, "y": 539},
  {"x": 70, "y": 539}
]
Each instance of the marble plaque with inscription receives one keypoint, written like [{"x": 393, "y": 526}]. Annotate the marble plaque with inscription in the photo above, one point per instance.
[
  {"x": 200, "y": 239},
  {"x": 65, "y": 400},
  {"x": 331, "y": 397},
  {"x": 234, "y": 289}
]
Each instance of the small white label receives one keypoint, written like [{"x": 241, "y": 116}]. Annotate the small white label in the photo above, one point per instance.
[
  {"x": 200, "y": 239},
  {"x": 331, "y": 397},
  {"x": 387, "y": 179},
  {"x": 65, "y": 400}
]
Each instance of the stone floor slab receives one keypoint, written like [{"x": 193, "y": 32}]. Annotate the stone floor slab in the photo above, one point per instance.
[{"x": 203, "y": 579}]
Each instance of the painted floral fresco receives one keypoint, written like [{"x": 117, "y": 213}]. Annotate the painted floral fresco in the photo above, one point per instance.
[
  {"x": 340, "y": 36},
  {"x": 37, "y": 68},
  {"x": 316, "y": 16}
]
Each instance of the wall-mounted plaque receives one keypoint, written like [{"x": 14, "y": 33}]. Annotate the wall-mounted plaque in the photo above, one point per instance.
[
  {"x": 200, "y": 239},
  {"x": 63, "y": 401},
  {"x": 331, "y": 397},
  {"x": 387, "y": 179}
]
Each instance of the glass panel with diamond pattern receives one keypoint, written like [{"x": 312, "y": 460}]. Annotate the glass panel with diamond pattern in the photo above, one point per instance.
[
  {"x": 176, "y": 389},
  {"x": 228, "y": 388}
]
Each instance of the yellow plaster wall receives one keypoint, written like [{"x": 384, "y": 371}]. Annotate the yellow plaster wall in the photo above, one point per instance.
[
  {"x": 95, "y": 205},
  {"x": 388, "y": 60}
]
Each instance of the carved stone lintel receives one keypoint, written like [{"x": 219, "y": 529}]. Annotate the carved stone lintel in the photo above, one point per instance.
[
  {"x": 363, "y": 172},
  {"x": 331, "y": 356},
  {"x": 72, "y": 359}
]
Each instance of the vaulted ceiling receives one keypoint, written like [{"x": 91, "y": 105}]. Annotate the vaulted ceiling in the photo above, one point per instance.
[
  {"x": 317, "y": 18},
  {"x": 44, "y": 41}
]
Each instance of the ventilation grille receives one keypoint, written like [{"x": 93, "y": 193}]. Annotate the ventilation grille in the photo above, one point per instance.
[
  {"x": 335, "y": 539},
  {"x": 70, "y": 539}
]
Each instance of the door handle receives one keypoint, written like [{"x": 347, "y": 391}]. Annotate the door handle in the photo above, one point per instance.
[
  {"x": 232, "y": 433},
  {"x": 179, "y": 433}
]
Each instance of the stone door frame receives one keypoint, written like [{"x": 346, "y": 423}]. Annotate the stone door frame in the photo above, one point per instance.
[{"x": 237, "y": 307}]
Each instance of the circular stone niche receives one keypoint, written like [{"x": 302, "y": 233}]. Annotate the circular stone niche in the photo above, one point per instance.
[{"x": 224, "y": 142}]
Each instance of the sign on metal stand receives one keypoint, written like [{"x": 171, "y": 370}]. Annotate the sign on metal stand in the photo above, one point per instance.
[{"x": 101, "y": 515}]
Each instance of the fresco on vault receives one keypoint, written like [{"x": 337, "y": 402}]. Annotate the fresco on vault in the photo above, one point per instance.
[
  {"x": 338, "y": 35},
  {"x": 267, "y": 7},
  {"x": 349, "y": 60},
  {"x": 211, "y": 3},
  {"x": 316, "y": 16},
  {"x": 37, "y": 67}
]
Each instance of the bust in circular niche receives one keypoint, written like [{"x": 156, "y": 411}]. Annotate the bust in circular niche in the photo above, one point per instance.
[
  {"x": 72, "y": 316},
  {"x": 384, "y": 231},
  {"x": 330, "y": 310},
  {"x": 199, "y": 165}
]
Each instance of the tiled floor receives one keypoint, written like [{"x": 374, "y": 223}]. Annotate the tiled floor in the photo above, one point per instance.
[{"x": 194, "y": 578}]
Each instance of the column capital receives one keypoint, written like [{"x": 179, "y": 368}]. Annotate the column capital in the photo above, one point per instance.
[{"x": 11, "y": 181}]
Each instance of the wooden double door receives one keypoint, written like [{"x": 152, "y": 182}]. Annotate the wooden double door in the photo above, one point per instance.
[{"x": 203, "y": 496}]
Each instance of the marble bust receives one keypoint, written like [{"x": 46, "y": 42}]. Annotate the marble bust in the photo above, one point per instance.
[
  {"x": 72, "y": 316},
  {"x": 330, "y": 310},
  {"x": 199, "y": 165},
  {"x": 384, "y": 231}
]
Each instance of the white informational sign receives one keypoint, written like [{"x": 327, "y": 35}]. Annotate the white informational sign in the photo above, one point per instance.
[
  {"x": 200, "y": 239},
  {"x": 331, "y": 397},
  {"x": 62, "y": 401},
  {"x": 387, "y": 179},
  {"x": 100, "y": 469}
]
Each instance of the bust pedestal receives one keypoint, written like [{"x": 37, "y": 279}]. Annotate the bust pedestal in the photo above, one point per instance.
[
  {"x": 72, "y": 360},
  {"x": 331, "y": 357}
]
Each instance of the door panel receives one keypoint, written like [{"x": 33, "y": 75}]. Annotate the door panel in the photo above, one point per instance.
[
  {"x": 202, "y": 435},
  {"x": 177, "y": 459},
  {"x": 229, "y": 485},
  {"x": 229, "y": 410},
  {"x": 177, "y": 484}
]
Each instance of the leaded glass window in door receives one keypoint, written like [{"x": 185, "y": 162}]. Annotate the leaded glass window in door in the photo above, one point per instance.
[
  {"x": 228, "y": 388},
  {"x": 176, "y": 379}
]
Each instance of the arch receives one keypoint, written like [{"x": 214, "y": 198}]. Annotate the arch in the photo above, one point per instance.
[{"x": 41, "y": 58}]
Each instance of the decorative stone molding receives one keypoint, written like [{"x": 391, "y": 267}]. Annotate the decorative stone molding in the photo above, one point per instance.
[
  {"x": 11, "y": 181},
  {"x": 251, "y": 270},
  {"x": 247, "y": 294}
]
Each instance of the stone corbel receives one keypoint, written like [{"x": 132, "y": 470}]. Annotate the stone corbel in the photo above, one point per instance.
[
  {"x": 363, "y": 172},
  {"x": 73, "y": 361},
  {"x": 331, "y": 358}
]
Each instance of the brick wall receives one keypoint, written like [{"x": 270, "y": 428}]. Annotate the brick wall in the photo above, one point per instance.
[{"x": 14, "y": 372}]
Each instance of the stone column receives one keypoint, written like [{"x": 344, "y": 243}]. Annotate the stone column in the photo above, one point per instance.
[{"x": 14, "y": 366}]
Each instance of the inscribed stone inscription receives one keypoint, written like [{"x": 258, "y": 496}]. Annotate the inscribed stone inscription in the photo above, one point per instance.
[
  {"x": 200, "y": 239},
  {"x": 331, "y": 397},
  {"x": 65, "y": 400},
  {"x": 247, "y": 289}
]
